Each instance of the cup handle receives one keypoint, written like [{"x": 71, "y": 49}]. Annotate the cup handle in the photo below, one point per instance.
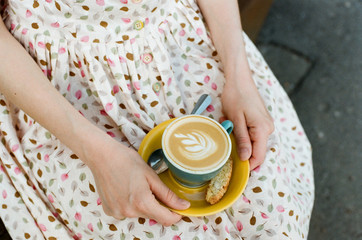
[{"x": 228, "y": 125}]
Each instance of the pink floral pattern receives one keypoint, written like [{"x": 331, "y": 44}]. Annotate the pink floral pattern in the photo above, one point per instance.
[{"x": 93, "y": 52}]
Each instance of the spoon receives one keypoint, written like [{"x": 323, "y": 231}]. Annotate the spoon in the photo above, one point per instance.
[{"x": 155, "y": 161}]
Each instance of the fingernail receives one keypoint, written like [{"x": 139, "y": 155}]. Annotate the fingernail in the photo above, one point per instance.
[
  {"x": 184, "y": 203},
  {"x": 244, "y": 154}
]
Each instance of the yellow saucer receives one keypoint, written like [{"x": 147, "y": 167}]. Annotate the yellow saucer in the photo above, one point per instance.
[{"x": 196, "y": 196}]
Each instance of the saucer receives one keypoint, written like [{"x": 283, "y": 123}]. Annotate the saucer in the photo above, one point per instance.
[{"x": 196, "y": 196}]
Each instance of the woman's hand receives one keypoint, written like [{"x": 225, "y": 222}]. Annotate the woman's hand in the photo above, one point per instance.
[
  {"x": 241, "y": 101},
  {"x": 243, "y": 105},
  {"x": 128, "y": 187}
]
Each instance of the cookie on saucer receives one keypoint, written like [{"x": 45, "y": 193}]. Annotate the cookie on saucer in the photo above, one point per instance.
[{"x": 219, "y": 184}]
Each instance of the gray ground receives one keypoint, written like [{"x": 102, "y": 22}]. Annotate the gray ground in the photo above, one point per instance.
[{"x": 315, "y": 49}]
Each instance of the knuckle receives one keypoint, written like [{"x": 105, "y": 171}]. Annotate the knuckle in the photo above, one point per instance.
[
  {"x": 243, "y": 139},
  {"x": 139, "y": 202},
  {"x": 239, "y": 120},
  {"x": 128, "y": 212},
  {"x": 167, "y": 223},
  {"x": 259, "y": 160},
  {"x": 266, "y": 127},
  {"x": 270, "y": 122},
  {"x": 118, "y": 216},
  {"x": 140, "y": 205},
  {"x": 256, "y": 163},
  {"x": 257, "y": 131},
  {"x": 270, "y": 126},
  {"x": 169, "y": 195}
]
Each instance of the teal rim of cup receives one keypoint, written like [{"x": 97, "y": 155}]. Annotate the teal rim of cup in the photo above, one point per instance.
[{"x": 208, "y": 118}]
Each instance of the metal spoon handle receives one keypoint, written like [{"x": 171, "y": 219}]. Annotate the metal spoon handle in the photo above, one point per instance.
[
  {"x": 163, "y": 167},
  {"x": 203, "y": 102}
]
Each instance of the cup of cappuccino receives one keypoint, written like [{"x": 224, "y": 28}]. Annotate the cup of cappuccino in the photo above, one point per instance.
[{"x": 196, "y": 147}]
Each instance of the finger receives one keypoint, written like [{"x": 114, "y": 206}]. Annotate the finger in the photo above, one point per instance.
[
  {"x": 165, "y": 195},
  {"x": 160, "y": 213},
  {"x": 259, "y": 140},
  {"x": 242, "y": 138},
  {"x": 146, "y": 204}
]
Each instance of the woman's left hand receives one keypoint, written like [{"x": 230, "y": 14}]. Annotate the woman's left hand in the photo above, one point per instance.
[
  {"x": 241, "y": 100},
  {"x": 243, "y": 105}
]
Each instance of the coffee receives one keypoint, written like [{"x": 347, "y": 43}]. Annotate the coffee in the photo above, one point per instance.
[{"x": 196, "y": 143}]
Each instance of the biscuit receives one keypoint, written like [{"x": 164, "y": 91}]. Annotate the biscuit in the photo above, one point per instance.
[{"x": 219, "y": 184}]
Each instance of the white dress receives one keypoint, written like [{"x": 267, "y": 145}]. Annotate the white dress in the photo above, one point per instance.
[{"x": 128, "y": 66}]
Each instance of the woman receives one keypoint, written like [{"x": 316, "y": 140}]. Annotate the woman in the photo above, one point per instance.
[{"x": 111, "y": 71}]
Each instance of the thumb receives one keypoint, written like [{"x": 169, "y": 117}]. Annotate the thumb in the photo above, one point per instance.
[
  {"x": 165, "y": 195},
  {"x": 242, "y": 139}
]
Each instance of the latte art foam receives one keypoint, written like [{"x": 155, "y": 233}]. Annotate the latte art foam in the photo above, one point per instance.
[{"x": 196, "y": 143}]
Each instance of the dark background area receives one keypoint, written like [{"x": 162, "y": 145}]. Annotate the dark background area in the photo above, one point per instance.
[{"x": 315, "y": 50}]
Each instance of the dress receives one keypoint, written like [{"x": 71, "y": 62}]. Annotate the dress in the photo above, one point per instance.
[{"x": 128, "y": 65}]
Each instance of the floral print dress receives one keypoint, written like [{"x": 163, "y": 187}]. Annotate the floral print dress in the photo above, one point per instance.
[{"x": 128, "y": 65}]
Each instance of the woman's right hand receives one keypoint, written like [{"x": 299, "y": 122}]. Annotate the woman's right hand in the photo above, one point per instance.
[{"x": 128, "y": 187}]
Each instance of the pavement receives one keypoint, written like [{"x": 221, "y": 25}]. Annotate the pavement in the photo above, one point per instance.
[{"x": 315, "y": 50}]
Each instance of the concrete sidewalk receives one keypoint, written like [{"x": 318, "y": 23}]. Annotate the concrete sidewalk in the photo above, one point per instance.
[{"x": 315, "y": 49}]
